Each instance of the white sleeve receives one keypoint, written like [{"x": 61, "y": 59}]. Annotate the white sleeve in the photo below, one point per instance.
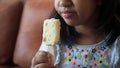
[{"x": 118, "y": 52}]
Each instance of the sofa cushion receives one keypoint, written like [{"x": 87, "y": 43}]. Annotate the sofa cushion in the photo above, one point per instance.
[
  {"x": 30, "y": 34},
  {"x": 10, "y": 14}
]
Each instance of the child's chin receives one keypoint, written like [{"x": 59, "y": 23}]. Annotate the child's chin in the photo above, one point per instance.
[{"x": 72, "y": 22}]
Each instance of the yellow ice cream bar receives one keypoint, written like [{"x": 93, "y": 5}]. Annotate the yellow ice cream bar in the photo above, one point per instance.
[{"x": 51, "y": 31}]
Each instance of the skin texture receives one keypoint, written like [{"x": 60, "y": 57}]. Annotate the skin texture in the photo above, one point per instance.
[
  {"x": 42, "y": 60},
  {"x": 77, "y": 13},
  {"x": 82, "y": 15}
]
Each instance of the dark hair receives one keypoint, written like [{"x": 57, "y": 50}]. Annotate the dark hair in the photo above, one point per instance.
[
  {"x": 108, "y": 22},
  {"x": 108, "y": 19}
]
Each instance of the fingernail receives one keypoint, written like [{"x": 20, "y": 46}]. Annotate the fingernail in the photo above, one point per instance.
[{"x": 39, "y": 53}]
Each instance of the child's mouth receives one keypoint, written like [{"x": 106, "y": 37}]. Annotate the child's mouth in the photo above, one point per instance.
[{"x": 68, "y": 14}]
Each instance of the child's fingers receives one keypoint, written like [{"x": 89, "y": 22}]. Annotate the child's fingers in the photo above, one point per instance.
[
  {"x": 50, "y": 60},
  {"x": 42, "y": 65},
  {"x": 40, "y": 57}
]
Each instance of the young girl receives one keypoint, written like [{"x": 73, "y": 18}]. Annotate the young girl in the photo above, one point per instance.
[{"x": 89, "y": 35}]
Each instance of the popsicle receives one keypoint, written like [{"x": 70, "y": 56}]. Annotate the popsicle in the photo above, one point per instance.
[
  {"x": 51, "y": 31},
  {"x": 51, "y": 37}
]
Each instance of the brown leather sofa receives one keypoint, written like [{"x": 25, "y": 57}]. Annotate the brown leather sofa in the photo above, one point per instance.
[{"x": 21, "y": 30}]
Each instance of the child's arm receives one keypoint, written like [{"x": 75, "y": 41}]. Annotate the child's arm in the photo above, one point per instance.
[{"x": 41, "y": 60}]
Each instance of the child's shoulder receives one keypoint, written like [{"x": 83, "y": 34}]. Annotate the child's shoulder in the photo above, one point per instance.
[{"x": 118, "y": 49}]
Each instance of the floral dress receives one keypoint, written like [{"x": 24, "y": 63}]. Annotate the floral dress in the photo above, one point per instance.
[{"x": 88, "y": 56}]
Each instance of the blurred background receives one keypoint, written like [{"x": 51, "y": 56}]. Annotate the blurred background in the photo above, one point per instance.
[{"x": 20, "y": 30}]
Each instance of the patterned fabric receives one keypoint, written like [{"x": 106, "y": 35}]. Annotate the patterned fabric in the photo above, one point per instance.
[{"x": 87, "y": 56}]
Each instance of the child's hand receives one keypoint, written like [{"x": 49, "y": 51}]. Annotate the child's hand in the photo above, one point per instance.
[{"x": 41, "y": 60}]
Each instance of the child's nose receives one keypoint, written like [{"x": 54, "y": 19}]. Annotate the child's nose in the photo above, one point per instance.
[{"x": 65, "y": 3}]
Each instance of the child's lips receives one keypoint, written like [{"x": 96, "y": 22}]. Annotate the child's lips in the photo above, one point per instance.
[{"x": 68, "y": 14}]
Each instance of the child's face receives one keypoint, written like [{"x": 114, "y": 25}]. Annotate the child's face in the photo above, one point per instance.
[{"x": 75, "y": 12}]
